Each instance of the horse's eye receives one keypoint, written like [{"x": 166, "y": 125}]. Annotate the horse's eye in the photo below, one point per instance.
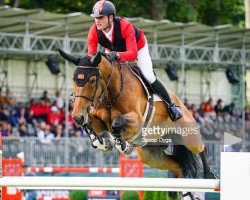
[{"x": 92, "y": 81}]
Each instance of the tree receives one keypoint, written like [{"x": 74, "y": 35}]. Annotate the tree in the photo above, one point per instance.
[
  {"x": 181, "y": 10},
  {"x": 221, "y": 12},
  {"x": 158, "y": 9},
  {"x": 210, "y": 12}
]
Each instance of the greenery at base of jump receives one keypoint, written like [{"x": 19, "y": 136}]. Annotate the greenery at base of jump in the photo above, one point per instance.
[
  {"x": 130, "y": 195},
  {"x": 78, "y": 195},
  {"x": 160, "y": 195}
]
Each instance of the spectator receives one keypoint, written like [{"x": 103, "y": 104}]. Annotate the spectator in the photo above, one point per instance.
[
  {"x": 4, "y": 114},
  {"x": 45, "y": 97},
  {"x": 229, "y": 109},
  {"x": 199, "y": 119},
  {"x": 207, "y": 131},
  {"x": 200, "y": 110},
  {"x": 29, "y": 194},
  {"x": 247, "y": 123},
  {"x": 44, "y": 135},
  {"x": 2, "y": 100},
  {"x": 20, "y": 117},
  {"x": 192, "y": 109},
  {"x": 23, "y": 129},
  {"x": 7, "y": 130},
  {"x": 208, "y": 109},
  {"x": 186, "y": 103},
  {"x": 59, "y": 101},
  {"x": 218, "y": 108},
  {"x": 54, "y": 118},
  {"x": 79, "y": 147},
  {"x": 59, "y": 131},
  {"x": 41, "y": 110},
  {"x": 9, "y": 100},
  {"x": 247, "y": 114}
]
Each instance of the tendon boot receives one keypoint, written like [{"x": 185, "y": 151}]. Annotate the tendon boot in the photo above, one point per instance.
[{"x": 174, "y": 111}]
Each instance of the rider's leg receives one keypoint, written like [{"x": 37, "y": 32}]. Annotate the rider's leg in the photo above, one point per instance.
[
  {"x": 145, "y": 63},
  {"x": 174, "y": 112}
]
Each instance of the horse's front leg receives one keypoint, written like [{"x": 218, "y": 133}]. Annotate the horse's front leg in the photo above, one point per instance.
[
  {"x": 100, "y": 143},
  {"x": 128, "y": 123}
]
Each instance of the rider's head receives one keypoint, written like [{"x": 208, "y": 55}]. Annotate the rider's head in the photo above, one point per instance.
[{"x": 104, "y": 13}]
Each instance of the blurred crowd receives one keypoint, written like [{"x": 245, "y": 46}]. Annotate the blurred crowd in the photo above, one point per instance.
[
  {"x": 45, "y": 118},
  {"x": 215, "y": 119}
]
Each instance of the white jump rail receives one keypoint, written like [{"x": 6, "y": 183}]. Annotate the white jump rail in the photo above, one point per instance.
[
  {"x": 112, "y": 183},
  {"x": 74, "y": 169}
]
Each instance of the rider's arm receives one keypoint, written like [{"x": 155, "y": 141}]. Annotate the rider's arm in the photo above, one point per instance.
[
  {"x": 128, "y": 34},
  {"x": 92, "y": 40}
]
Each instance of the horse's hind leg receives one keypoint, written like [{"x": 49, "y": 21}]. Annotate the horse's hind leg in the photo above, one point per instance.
[
  {"x": 155, "y": 156},
  {"x": 207, "y": 172}
]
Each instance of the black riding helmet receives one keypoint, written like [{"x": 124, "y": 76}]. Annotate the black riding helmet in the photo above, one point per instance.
[{"x": 102, "y": 8}]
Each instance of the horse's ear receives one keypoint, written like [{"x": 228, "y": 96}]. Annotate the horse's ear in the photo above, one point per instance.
[
  {"x": 95, "y": 60},
  {"x": 69, "y": 57}
]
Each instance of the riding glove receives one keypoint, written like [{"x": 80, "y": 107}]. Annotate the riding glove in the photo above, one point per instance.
[{"x": 112, "y": 56}]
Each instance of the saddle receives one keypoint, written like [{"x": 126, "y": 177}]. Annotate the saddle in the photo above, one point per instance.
[
  {"x": 147, "y": 86},
  {"x": 137, "y": 72}
]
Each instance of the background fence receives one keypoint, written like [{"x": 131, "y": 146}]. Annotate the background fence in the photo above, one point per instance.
[{"x": 67, "y": 152}]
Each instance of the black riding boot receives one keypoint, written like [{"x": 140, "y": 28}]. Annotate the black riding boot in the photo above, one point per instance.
[{"x": 174, "y": 112}]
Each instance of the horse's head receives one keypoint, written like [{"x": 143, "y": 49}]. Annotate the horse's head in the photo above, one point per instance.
[{"x": 86, "y": 84}]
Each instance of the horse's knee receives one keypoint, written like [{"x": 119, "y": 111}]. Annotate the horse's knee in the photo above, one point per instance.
[
  {"x": 196, "y": 148},
  {"x": 118, "y": 124}
]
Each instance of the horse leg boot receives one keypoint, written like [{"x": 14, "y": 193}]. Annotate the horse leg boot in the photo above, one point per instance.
[
  {"x": 174, "y": 112},
  {"x": 118, "y": 127},
  {"x": 102, "y": 144}
]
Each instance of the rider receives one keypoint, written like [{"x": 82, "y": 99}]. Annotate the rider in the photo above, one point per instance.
[{"x": 124, "y": 42}]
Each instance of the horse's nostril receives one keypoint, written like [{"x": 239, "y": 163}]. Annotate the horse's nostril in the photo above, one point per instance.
[
  {"x": 79, "y": 119},
  {"x": 82, "y": 117}
]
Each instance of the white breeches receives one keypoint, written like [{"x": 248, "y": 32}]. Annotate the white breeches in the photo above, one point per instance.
[{"x": 145, "y": 63}]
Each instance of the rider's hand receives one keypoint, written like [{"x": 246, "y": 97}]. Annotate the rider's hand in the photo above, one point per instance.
[{"x": 112, "y": 56}]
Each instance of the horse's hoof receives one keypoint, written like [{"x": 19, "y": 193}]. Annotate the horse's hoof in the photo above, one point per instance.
[
  {"x": 128, "y": 150},
  {"x": 108, "y": 143},
  {"x": 192, "y": 195},
  {"x": 102, "y": 144},
  {"x": 124, "y": 147},
  {"x": 210, "y": 175}
]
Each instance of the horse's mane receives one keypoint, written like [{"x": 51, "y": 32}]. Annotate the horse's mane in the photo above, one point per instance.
[{"x": 86, "y": 60}]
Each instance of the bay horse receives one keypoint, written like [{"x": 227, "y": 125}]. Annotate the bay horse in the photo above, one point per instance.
[{"x": 114, "y": 100}]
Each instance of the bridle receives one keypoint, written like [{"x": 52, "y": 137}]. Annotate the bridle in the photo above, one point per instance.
[{"x": 104, "y": 92}]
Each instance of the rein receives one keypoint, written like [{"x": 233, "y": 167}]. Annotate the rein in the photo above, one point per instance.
[{"x": 112, "y": 101}]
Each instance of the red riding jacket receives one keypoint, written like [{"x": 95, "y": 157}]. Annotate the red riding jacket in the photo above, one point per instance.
[{"x": 127, "y": 39}]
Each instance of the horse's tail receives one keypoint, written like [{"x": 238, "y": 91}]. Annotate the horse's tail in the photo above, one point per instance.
[{"x": 190, "y": 162}]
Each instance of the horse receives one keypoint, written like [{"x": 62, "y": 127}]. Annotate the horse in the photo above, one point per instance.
[{"x": 108, "y": 96}]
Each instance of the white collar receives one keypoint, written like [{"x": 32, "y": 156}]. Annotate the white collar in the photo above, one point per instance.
[{"x": 109, "y": 34}]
